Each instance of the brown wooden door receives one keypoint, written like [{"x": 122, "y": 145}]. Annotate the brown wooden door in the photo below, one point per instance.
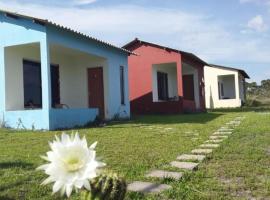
[
  {"x": 188, "y": 86},
  {"x": 96, "y": 89}
]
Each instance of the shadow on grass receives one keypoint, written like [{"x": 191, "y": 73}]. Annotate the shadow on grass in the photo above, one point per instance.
[
  {"x": 16, "y": 164},
  {"x": 6, "y": 198},
  {"x": 243, "y": 109},
  {"x": 200, "y": 118},
  {"x": 13, "y": 185}
]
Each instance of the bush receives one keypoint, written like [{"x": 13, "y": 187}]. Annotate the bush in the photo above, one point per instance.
[{"x": 252, "y": 103}]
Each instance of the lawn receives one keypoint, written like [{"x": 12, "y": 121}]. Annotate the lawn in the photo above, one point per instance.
[{"x": 239, "y": 169}]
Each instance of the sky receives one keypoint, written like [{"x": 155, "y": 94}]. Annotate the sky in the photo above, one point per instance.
[{"x": 234, "y": 33}]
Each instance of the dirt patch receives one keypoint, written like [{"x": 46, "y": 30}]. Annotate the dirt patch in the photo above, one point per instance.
[
  {"x": 267, "y": 150},
  {"x": 231, "y": 181},
  {"x": 246, "y": 194}
]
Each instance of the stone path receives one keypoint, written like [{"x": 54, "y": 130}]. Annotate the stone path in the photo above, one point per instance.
[
  {"x": 222, "y": 133},
  {"x": 213, "y": 141},
  {"x": 202, "y": 151},
  {"x": 184, "y": 165},
  {"x": 164, "y": 174},
  {"x": 191, "y": 157},
  {"x": 225, "y": 129},
  {"x": 209, "y": 145},
  {"x": 147, "y": 187},
  {"x": 186, "y": 162},
  {"x": 218, "y": 137}
]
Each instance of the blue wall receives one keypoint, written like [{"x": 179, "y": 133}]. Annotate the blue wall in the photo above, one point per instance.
[
  {"x": 68, "y": 118},
  {"x": 24, "y": 31},
  {"x": 115, "y": 59}
]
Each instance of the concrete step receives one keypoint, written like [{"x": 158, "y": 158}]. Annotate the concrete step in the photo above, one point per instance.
[
  {"x": 184, "y": 165},
  {"x": 164, "y": 174},
  {"x": 192, "y": 157},
  {"x": 202, "y": 151},
  {"x": 147, "y": 187},
  {"x": 209, "y": 145}
]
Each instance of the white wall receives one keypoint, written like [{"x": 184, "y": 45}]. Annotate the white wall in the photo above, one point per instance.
[
  {"x": 189, "y": 70},
  {"x": 170, "y": 69},
  {"x": 73, "y": 78},
  {"x": 211, "y": 88}
]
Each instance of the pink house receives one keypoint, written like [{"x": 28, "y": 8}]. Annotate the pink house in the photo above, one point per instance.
[{"x": 163, "y": 80}]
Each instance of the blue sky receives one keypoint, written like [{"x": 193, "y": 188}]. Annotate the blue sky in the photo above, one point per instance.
[{"x": 233, "y": 33}]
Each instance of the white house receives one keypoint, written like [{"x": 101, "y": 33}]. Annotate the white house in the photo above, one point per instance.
[
  {"x": 53, "y": 77},
  {"x": 224, "y": 86}
]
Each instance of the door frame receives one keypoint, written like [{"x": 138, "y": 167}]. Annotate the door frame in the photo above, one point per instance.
[
  {"x": 103, "y": 115},
  {"x": 193, "y": 88}
]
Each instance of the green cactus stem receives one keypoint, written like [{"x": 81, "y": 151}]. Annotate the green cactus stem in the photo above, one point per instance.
[{"x": 107, "y": 186}]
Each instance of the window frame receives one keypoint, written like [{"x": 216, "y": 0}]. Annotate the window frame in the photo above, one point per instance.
[
  {"x": 33, "y": 64},
  {"x": 122, "y": 85},
  {"x": 163, "y": 91},
  {"x": 55, "y": 100}
]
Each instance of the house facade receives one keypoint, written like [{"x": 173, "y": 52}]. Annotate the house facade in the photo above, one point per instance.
[
  {"x": 53, "y": 77},
  {"x": 224, "y": 87},
  {"x": 163, "y": 80}
]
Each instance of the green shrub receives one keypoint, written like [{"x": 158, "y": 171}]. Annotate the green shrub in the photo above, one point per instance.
[{"x": 252, "y": 103}]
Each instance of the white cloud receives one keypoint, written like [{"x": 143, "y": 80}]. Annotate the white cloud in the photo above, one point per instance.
[
  {"x": 197, "y": 33},
  {"x": 257, "y": 24}
]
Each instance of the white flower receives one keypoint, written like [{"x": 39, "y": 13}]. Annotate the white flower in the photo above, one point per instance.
[{"x": 71, "y": 164}]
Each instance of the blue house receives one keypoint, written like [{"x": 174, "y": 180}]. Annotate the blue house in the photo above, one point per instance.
[{"x": 53, "y": 77}]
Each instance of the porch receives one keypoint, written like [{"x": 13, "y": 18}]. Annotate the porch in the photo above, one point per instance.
[
  {"x": 60, "y": 96},
  {"x": 191, "y": 87}
]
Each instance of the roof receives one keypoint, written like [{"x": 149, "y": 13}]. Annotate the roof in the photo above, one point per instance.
[
  {"x": 45, "y": 22},
  {"x": 188, "y": 54},
  {"x": 231, "y": 68}
]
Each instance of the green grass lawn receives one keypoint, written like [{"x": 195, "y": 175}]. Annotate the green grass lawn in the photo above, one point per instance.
[{"x": 239, "y": 169}]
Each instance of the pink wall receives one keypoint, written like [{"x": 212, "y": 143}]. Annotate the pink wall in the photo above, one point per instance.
[{"x": 140, "y": 80}]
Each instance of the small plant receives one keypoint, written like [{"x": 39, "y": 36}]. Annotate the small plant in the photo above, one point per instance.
[
  {"x": 252, "y": 103},
  {"x": 3, "y": 123},
  {"x": 107, "y": 186}
]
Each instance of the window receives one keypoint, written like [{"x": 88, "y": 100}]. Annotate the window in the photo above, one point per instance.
[
  {"x": 32, "y": 84},
  {"x": 221, "y": 90},
  {"x": 33, "y": 87},
  {"x": 162, "y": 83},
  {"x": 122, "y": 84},
  {"x": 55, "y": 86}
]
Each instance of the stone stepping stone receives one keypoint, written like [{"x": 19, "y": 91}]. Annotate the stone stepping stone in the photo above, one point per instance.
[
  {"x": 164, "y": 174},
  {"x": 209, "y": 145},
  {"x": 193, "y": 157},
  {"x": 222, "y": 133},
  {"x": 214, "y": 137},
  {"x": 147, "y": 187},
  {"x": 233, "y": 123},
  {"x": 184, "y": 165},
  {"x": 225, "y": 129},
  {"x": 202, "y": 151},
  {"x": 213, "y": 141}
]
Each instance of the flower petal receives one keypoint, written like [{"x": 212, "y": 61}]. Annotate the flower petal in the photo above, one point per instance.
[
  {"x": 93, "y": 146},
  {"x": 57, "y": 186},
  {"x": 47, "y": 181},
  {"x": 86, "y": 185},
  {"x": 45, "y": 158},
  {"x": 43, "y": 167},
  {"x": 68, "y": 190}
]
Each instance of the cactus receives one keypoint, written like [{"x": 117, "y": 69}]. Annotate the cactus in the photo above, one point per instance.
[{"x": 107, "y": 186}]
